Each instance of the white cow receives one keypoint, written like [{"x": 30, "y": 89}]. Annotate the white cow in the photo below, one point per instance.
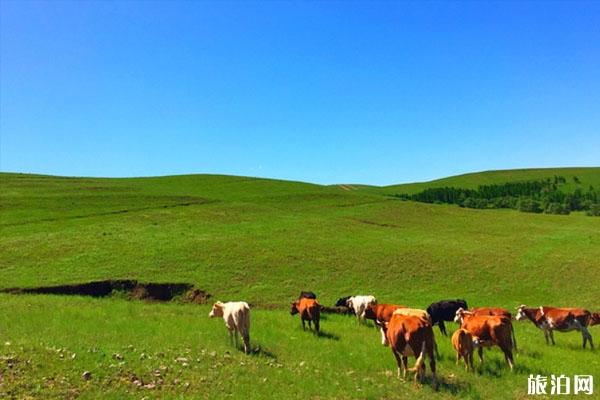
[
  {"x": 359, "y": 304},
  {"x": 236, "y": 315}
]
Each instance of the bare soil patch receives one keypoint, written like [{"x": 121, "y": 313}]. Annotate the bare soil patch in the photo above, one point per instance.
[{"x": 150, "y": 291}]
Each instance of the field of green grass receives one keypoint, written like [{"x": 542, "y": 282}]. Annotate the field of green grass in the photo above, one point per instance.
[{"x": 263, "y": 241}]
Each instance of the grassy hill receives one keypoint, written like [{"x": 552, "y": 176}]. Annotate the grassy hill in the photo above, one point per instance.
[
  {"x": 263, "y": 241},
  {"x": 586, "y": 176}
]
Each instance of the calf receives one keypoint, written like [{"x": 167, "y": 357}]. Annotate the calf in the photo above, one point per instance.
[
  {"x": 445, "y": 310},
  {"x": 412, "y": 336},
  {"x": 309, "y": 310},
  {"x": 236, "y": 315},
  {"x": 489, "y": 330},
  {"x": 549, "y": 319},
  {"x": 497, "y": 311},
  {"x": 359, "y": 304},
  {"x": 464, "y": 343},
  {"x": 381, "y": 313}
]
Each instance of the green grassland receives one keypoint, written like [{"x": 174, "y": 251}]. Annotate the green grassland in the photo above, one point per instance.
[{"x": 263, "y": 241}]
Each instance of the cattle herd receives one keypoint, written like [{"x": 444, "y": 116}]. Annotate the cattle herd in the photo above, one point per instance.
[{"x": 409, "y": 331}]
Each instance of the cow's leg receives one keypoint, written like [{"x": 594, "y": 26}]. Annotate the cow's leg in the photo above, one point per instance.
[
  {"x": 551, "y": 333},
  {"x": 546, "y": 335},
  {"x": 585, "y": 333},
  {"x": 303, "y": 325},
  {"x": 310, "y": 324},
  {"x": 405, "y": 365},
  {"x": 480, "y": 352},
  {"x": 470, "y": 362},
  {"x": 458, "y": 356},
  {"x": 384, "y": 340},
  {"x": 432, "y": 367},
  {"x": 443, "y": 328},
  {"x": 230, "y": 336},
  {"x": 317, "y": 325},
  {"x": 398, "y": 361},
  {"x": 246, "y": 340},
  {"x": 508, "y": 356}
]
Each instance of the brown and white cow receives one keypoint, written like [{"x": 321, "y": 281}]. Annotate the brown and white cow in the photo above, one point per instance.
[
  {"x": 464, "y": 344},
  {"x": 412, "y": 336},
  {"x": 550, "y": 319},
  {"x": 489, "y": 330},
  {"x": 380, "y": 314},
  {"x": 497, "y": 311},
  {"x": 309, "y": 310}
]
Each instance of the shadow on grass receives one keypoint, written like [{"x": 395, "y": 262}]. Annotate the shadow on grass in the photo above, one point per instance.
[
  {"x": 454, "y": 388},
  {"x": 327, "y": 335},
  {"x": 258, "y": 351}
]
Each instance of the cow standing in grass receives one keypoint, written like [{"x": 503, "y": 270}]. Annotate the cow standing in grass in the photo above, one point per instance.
[
  {"x": 549, "y": 319},
  {"x": 489, "y": 330},
  {"x": 309, "y": 310},
  {"x": 445, "y": 310},
  {"x": 412, "y": 336},
  {"x": 499, "y": 312},
  {"x": 236, "y": 315},
  {"x": 359, "y": 305},
  {"x": 464, "y": 344}
]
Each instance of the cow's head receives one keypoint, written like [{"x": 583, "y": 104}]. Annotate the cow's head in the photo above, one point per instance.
[
  {"x": 217, "y": 310},
  {"x": 521, "y": 313},
  {"x": 476, "y": 342},
  {"x": 595, "y": 319},
  {"x": 350, "y": 302},
  {"x": 294, "y": 309},
  {"x": 460, "y": 314}
]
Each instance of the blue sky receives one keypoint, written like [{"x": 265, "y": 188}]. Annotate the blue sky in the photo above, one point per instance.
[{"x": 326, "y": 92}]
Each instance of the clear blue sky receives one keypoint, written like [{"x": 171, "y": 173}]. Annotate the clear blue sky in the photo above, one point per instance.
[{"x": 328, "y": 92}]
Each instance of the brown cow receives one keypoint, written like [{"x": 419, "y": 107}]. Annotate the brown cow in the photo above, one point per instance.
[
  {"x": 412, "y": 336},
  {"x": 464, "y": 343},
  {"x": 309, "y": 310},
  {"x": 497, "y": 311},
  {"x": 381, "y": 313},
  {"x": 489, "y": 330},
  {"x": 549, "y": 319},
  {"x": 500, "y": 312}
]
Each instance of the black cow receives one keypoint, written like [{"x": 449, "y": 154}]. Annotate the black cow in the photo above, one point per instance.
[
  {"x": 342, "y": 305},
  {"x": 445, "y": 310},
  {"x": 307, "y": 295}
]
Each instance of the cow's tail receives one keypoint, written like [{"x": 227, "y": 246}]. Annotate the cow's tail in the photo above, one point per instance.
[
  {"x": 514, "y": 338},
  {"x": 420, "y": 359}
]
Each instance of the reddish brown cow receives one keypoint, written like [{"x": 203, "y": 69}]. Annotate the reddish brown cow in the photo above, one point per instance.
[
  {"x": 412, "y": 336},
  {"x": 549, "y": 319},
  {"x": 381, "y": 313},
  {"x": 463, "y": 343},
  {"x": 595, "y": 320},
  {"x": 499, "y": 312},
  {"x": 489, "y": 330},
  {"x": 309, "y": 310}
]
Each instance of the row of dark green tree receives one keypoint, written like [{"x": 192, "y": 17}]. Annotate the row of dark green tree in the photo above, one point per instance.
[{"x": 527, "y": 196}]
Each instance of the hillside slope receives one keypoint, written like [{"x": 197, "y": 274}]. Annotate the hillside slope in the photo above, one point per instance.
[
  {"x": 266, "y": 239},
  {"x": 586, "y": 176}
]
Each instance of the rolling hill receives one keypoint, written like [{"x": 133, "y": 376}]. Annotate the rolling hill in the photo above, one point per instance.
[{"x": 263, "y": 241}]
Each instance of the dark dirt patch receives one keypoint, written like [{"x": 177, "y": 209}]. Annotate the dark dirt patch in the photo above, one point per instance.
[{"x": 133, "y": 289}]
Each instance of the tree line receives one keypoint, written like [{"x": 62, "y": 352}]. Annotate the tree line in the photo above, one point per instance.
[{"x": 535, "y": 196}]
